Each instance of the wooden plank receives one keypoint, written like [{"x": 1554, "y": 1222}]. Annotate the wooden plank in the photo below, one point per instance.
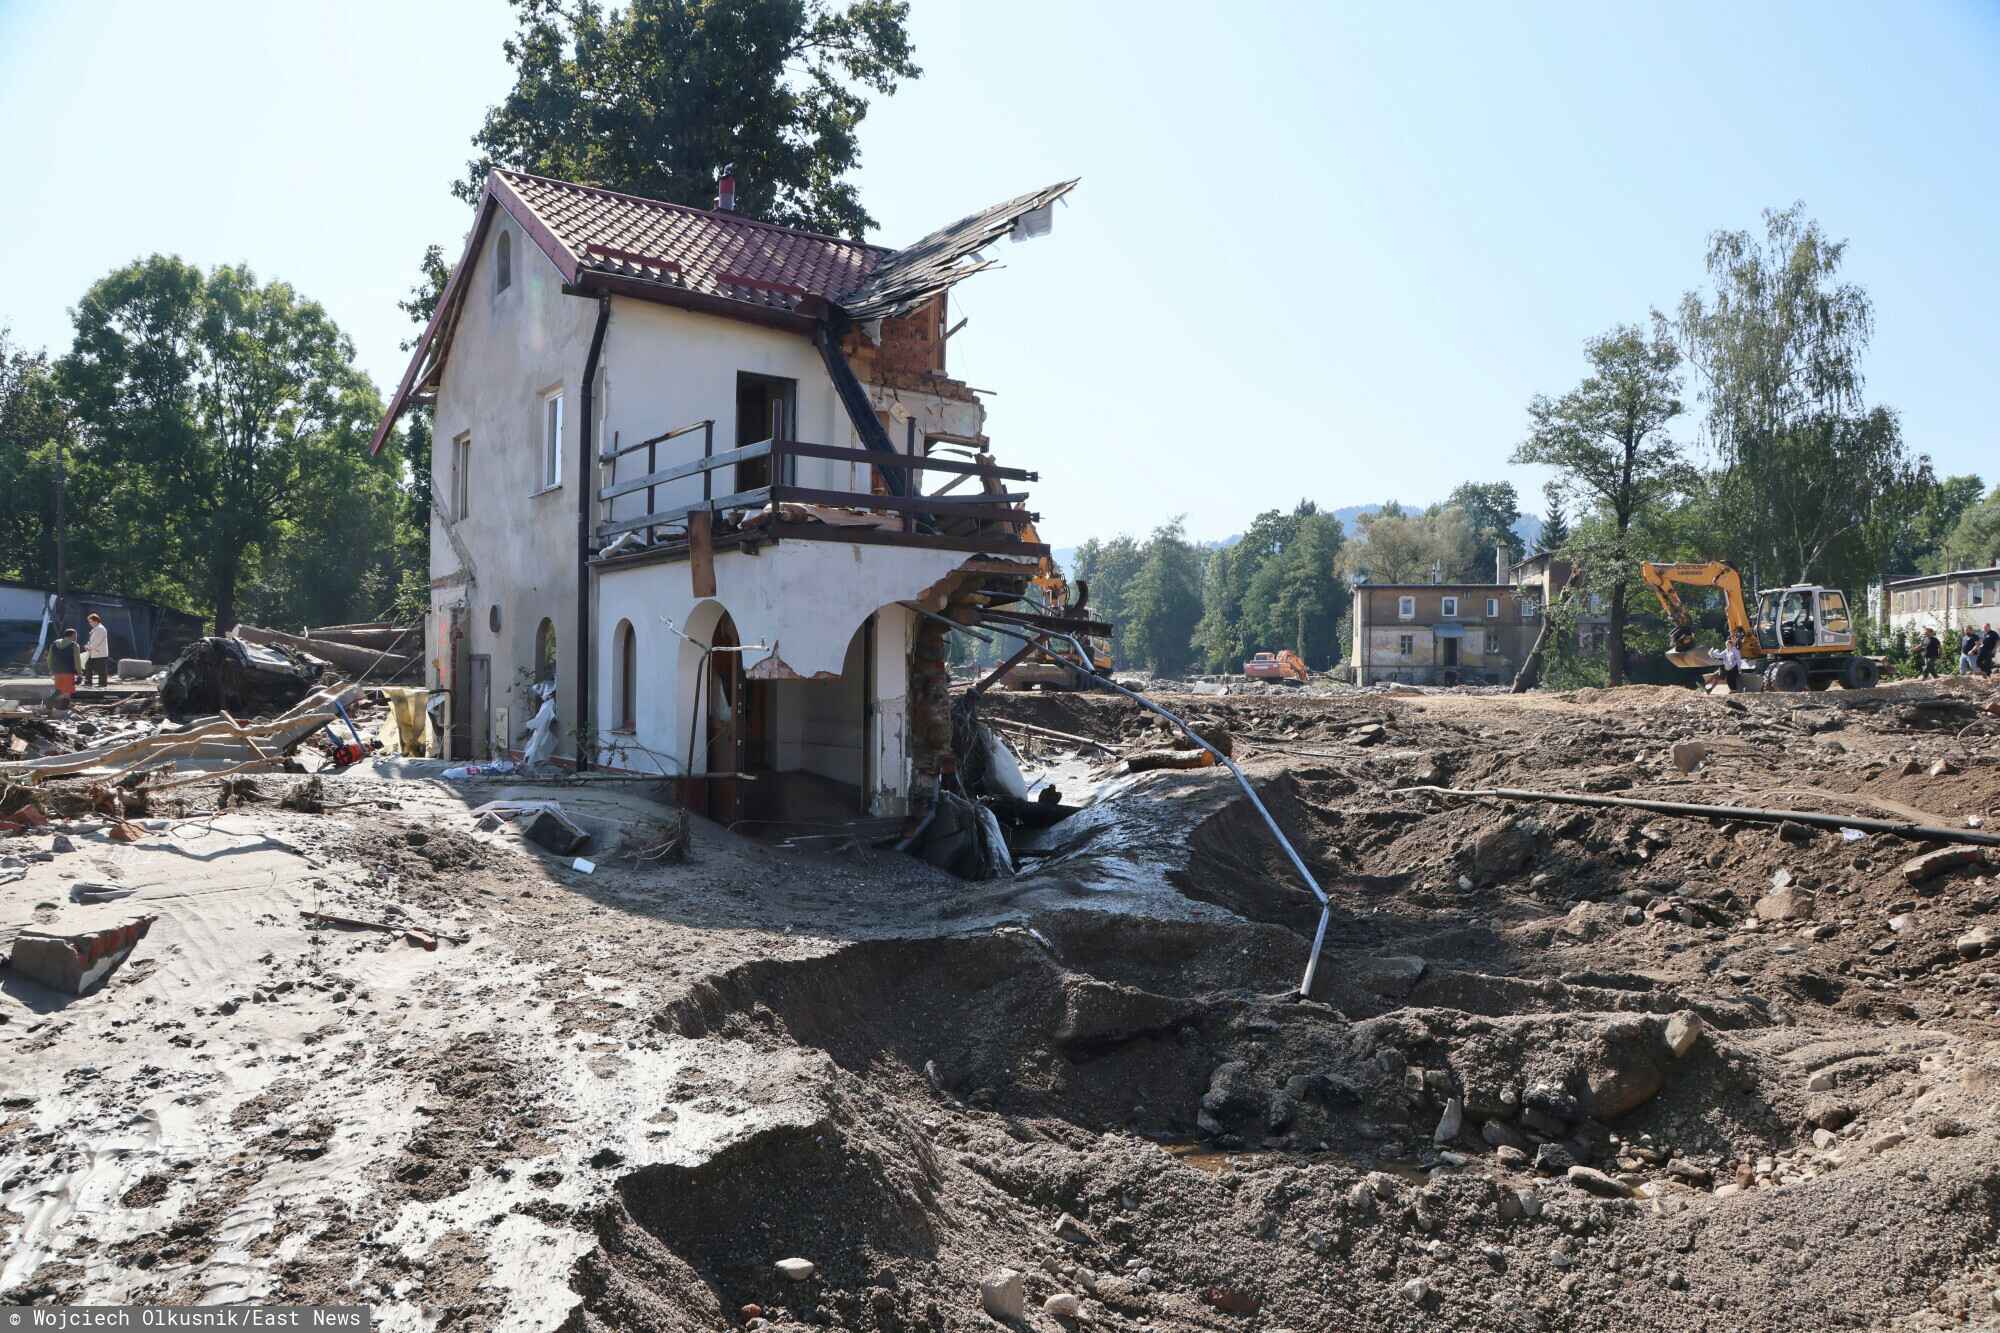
[
  {"x": 613, "y": 454},
  {"x": 675, "y": 473},
  {"x": 971, "y": 506},
  {"x": 873, "y": 458},
  {"x": 701, "y": 552},
  {"x": 822, "y": 532},
  {"x": 740, "y": 500}
]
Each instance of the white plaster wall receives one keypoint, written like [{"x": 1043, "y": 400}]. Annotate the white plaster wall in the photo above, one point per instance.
[
  {"x": 806, "y": 600},
  {"x": 510, "y": 346}
]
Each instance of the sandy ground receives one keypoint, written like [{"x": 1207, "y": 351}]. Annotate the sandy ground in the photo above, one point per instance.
[{"x": 625, "y": 1095}]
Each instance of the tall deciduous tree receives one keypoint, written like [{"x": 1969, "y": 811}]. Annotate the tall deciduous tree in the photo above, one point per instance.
[
  {"x": 1394, "y": 547},
  {"x": 1778, "y": 344},
  {"x": 32, "y": 423},
  {"x": 1492, "y": 508},
  {"x": 1163, "y": 602},
  {"x": 230, "y": 410},
  {"x": 651, "y": 98},
  {"x": 1606, "y": 439}
]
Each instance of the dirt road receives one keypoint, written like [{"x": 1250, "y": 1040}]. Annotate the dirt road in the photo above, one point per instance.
[{"x": 630, "y": 1093}]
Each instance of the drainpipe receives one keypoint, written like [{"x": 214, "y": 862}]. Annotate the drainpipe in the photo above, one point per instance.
[{"x": 586, "y": 499}]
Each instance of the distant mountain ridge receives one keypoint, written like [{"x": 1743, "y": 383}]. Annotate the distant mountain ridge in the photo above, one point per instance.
[{"x": 1529, "y": 530}]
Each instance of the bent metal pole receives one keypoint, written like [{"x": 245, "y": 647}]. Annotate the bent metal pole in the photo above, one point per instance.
[{"x": 990, "y": 621}]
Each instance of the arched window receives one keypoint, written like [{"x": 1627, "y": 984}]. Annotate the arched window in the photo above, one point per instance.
[
  {"x": 545, "y": 650},
  {"x": 624, "y": 678},
  {"x": 503, "y": 262}
]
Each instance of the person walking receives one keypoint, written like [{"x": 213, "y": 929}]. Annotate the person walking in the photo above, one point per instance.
[
  {"x": 1731, "y": 657},
  {"x": 1989, "y": 644},
  {"x": 65, "y": 661},
  {"x": 1928, "y": 652},
  {"x": 97, "y": 659},
  {"x": 1968, "y": 651}
]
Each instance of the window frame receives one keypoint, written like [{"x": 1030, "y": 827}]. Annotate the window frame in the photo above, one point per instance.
[
  {"x": 461, "y": 476},
  {"x": 1406, "y": 645},
  {"x": 550, "y": 426},
  {"x": 503, "y": 261},
  {"x": 1406, "y": 608},
  {"x": 1447, "y": 608},
  {"x": 1493, "y": 608}
]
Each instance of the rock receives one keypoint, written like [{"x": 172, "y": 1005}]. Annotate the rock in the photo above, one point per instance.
[
  {"x": 1596, "y": 1182},
  {"x": 1531, "y": 1202},
  {"x": 1902, "y": 922},
  {"x": 1543, "y": 1123},
  {"x": 1361, "y": 1199},
  {"x": 1551, "y": 1100},
  {"x": 1786, "y": 904},
  {"x": 1232, "y": 1300},
  {"x": 1824, "y": 1139},
  {"x": 749, "y": 1312},
  {"x": 1393, "y": 976},
  {"x": 1688, "y": 1171},
  {"x": 1511, "y": 1157},
  {"x": 61, "y": 843},
  {"x": 1503, "y": 850},
  {"x": 1624, "y": 1066},
  {"x": 1553, "y": 1159},
  {"x": 1417, "y": 1292},
  {"x": 1500, "y": 1134},
  {"x": 1979, "y": 940},
  {"x": 1510, "y": 1206},
  {"x": 1688, "y": 755},
  {"x": 1943, "y": 768},
  {"x": 1072, "y": 1232},
  {"x": 1233, "y": 1099},
  {"x": 1101, "y": 1013},
  {"x": 1683, "y": 1031},
  {"x": 1932, "y": 864},
  {"x": 1002, "y": 1295},
  {"x": 1063, "y": 1305},
  {"x": 1790, "y": 830},
  {"x": 1725, "y": 1191},
  {"x": 1884, "y": 1142},
  {"x": 1822, "y": 1081},
  {"x": 798, "y": 1270},
  {"x": 881, "y": 1300},
  {"x": 1451, "y": 1123},
  {"x": 1385, "y": 1186}
]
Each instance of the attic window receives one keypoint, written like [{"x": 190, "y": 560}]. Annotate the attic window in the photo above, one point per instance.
[{"x": 503, "y": 262}]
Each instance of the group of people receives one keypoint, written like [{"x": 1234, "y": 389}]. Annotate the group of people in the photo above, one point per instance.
[
  {"x": 90, "y": 659},
  {"x": 1976, "y": 651}
]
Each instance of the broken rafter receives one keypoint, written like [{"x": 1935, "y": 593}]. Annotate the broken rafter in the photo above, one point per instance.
[{"x": 916, "y": 273}]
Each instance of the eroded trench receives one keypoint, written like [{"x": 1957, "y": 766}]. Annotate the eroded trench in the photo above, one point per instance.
[{"x": 1143, "y": 1113}]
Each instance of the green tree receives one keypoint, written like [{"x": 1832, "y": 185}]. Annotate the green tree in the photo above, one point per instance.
[
  {"x": 1218, "y": 638},
  {"x": 233, "y": 415},
  {"x": 32, "y": 422},
  {"x": 1778, "y": 344},
  {"x": 652, "y": 98},
  {"x": 1555, "y": 524},
  {"x": 1395, "y": 547},
  {"x": 1162, "y": 604},
  {"x": 1606, "y": 439},
  {"x": 1974, "y": 542},
  {"x": 1492, "y": 508}
]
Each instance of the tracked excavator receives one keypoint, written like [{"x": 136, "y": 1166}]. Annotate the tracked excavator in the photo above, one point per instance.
[{"x": 1796, "y": 638}]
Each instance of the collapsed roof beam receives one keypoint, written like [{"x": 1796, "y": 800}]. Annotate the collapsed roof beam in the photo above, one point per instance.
[{"x": 827, "y": 336}]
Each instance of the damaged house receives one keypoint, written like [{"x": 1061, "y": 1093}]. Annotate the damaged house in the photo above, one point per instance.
[{"x": 704, "y": 476}]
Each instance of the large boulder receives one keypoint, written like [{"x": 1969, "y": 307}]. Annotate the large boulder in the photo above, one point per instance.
[{"x": 1624, "y": 1065}]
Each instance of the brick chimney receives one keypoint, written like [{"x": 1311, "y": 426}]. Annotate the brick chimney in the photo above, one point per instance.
[
  {"x": 725, "y": 188},
  {"x": 1500, "y": 564}
]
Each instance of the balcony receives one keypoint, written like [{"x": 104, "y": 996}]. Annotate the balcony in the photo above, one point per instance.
[{"x": 990, "y": 520}]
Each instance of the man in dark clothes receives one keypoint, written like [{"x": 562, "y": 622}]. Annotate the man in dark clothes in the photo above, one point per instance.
[
  {"x": 65, "y": 663},
  {"x": 1968, "y": 651},
  {"x": 1989, "y": 644},
  {"x": 1928, "y": 652}
]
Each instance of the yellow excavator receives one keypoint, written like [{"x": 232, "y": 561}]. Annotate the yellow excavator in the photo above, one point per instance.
[{"x": 1797, "y": 638}]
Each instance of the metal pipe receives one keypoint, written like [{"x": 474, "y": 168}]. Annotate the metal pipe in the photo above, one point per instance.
[
  {"x": 1914, "y": 832},
  {"x": 1298, "y": 864},
  {"x": 586, "y": 499}
]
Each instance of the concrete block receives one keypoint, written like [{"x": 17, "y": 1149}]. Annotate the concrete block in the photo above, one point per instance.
[
  {"x": 74, "y": 961},
  {"x": 135, "y": 668}
]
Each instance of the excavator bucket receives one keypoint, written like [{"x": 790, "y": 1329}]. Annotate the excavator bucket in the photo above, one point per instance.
[{"x": 1694, "y": 660}]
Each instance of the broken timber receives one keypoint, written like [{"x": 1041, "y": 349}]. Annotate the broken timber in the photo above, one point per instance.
[{"x": 1894, "y": 828}]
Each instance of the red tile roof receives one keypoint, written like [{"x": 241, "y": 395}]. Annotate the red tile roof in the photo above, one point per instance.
[{"x": 702, "y": 251}]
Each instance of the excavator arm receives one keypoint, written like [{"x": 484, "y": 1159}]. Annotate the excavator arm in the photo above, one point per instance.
[{"x": 1663, "y": 578}]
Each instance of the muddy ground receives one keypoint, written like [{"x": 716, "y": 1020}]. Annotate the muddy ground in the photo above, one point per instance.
[{"x": 627, "y": 1094}]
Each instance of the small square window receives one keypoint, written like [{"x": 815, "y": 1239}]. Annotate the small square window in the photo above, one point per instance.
[
  {"x": 552, "y": 439},
  {"x": 1979, "y": 594},
  {"x": 1530, "y": 608},
  {"x": 1406, "y": 608},
  {"x": 1451, "y": 608},
  {"x": 1406, "y": 644},
  {"x": 1493, "y": 608}
]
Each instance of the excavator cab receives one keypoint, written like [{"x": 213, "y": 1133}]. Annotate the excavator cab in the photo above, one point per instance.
[{"x": 1803, "y": 617}]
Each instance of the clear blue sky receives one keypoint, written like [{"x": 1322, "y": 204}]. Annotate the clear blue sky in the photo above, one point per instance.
[{"x": 1319, "y": 250}]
